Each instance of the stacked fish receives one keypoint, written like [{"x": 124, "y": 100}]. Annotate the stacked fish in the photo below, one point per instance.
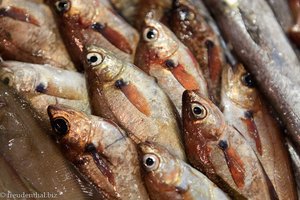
[{"x": 146, "y": 99}]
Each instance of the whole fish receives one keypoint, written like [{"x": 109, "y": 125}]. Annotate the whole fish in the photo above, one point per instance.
[
  {"x": 161, "y": 55},
  {"x": 248, "y": 26},
  {"x": 190, "y": 26},
  {"x": 244, "y": 108},
  {"x": 220, "y": 152},
  {"x": 125, "y": 94},
  {"x": 94, "y": 22},
  {"x": 167, "y": 177},
  {"x": 29, "y": 33},
  {"x": 101, "y": 151},
  {"x": 46, "y": 79},
  {"x": 43, "y": 85},
  {"x": 32, "y": 154}
]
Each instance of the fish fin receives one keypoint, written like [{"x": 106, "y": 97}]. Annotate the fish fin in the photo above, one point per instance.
[
  {"x": 134, "y": 96},
  {"x": 214, "y": 61},
  {"x": 18, "y": 14},
  {"x": 113, "y": 36},
  {"x": 235, "y": 163},
  {"x": 252, "y": 130}
]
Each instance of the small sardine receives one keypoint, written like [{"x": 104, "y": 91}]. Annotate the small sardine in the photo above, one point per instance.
[
  {"x": 167, "y": 177},
  {"x": 125, "y": 94},
  {"x": 161, "y": 55},
  {"x": 101, "y": 151},
  {"x": 220, "y": 151}
]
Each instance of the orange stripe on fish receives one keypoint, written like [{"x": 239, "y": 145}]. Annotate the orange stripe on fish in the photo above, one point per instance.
[
  {"x": 101, "y": 163},
  {"x": 114, "y": 37},
  {"x": 252, "y": 130},
  {"x": 235, "y": 164},
  {"x": 18, "y": 14},
  {"x": 182, "y": 76},
  {"x": 134, "y": 96},
  {"x": 214, "y": 62}
]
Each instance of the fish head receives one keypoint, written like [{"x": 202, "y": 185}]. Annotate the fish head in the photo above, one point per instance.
[
  {"x": 102, "y": 64},
  {"x": 161, "y": 169},
  {"x": 158, "y": 39},
  {"x": 201, "y": 117},
  {"x": 72, "y": 129},
  {"x": 239, "y": 86}
]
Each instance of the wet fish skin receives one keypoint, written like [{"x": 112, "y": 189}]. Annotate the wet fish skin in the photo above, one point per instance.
[
  {"x": 295, "y": 27},
  {"x": 39, "y": 42},
  {"x": 190, "y": 26},
  {"x": 219, "y": 151},
  {"x": 90, "y": 22},
  {"x": 167, "y": 177},
  {"x": 125, "y": 94},
  {"x": 172, "y": 64},
  {"x": 269, "y": 58},
  {"x": 119, "y": 174},
  {"x": 25, "y": 143},
  {"x": 244, "y": 108}
]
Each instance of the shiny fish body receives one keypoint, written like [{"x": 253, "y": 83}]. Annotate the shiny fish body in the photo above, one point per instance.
[
  {"x": 190, "y": 26},
  {"x": 170, "y": 178},
  {"x": 169, "y": 61},
  {"x": 94, "y": 22},
  {"x": 220, "y": 152},
  {"x": 244, "y": 108},
  {"x": 29, "y": 34},
  {"x": 120, "y": 178},
  {"x": 123, "y": 93}
]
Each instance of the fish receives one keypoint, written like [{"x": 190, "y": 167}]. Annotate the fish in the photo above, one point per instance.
[
  {"x": 123, "y": 93},
  {"x": 294, "y": 31},
  {"x": 42, "y": 85},
  {"x": 295, "y": 163},
  {"x": 101, "y": 151},
  {"x": 94, "y": 22},
  {"x": 219, "y": 150},
  {"x": 191, "y": 28},
  {"x": 269, "y": 57},
  {"x": 167, "y": 177},
  {"x": 32, "y": 154},
  {"x": 244, "y": 108},
  {"x": 161, "y": 55},
  {"x": 39, "y": 41}
]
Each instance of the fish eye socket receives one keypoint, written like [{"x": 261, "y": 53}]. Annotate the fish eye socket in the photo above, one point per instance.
[
  {"x": 199, "y": 111},
  {"x": 247, "y": 80},
  {"x": 94, "y": 58},
  {"x": 7, "y": 79},
  {"x": 60, "y": 126},
  {"x": 150, "y": 162},
  {"x": 62, "y": 6},
  {"x": 150, "y": 34}
]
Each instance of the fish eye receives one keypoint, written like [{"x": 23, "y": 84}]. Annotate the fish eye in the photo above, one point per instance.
[
  {"x": 60, "y": 126},
  {"x": 7, "y": 79},
  {"x": 150, "y": 162},
  {"x": 94, "y": 58},
  {"x": 150, "y": 34},
  {"x": 199, "y": 111},
  {"x": 247, "y": 80},
  {"x": 62, "y": 6}
]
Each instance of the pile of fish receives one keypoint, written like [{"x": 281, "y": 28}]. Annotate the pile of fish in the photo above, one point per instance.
[{"x": 160, "y": 100}]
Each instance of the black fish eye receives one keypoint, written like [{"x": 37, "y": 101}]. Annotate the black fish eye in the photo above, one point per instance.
[
  {"x": 151, "y": 162},
  {"x": 62, "y": 6},
  {"x": 198, "y": 111},
  {"x": 247, "y": 80},
  {"x": 150, "y": 34},
  {"x": 60, "y": 126}
]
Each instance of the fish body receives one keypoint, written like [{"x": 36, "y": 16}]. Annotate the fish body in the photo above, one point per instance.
[
  {"x": 190, "y": 26},
  {"x": 92, "y": 22},
  {"x": 167, "y": 177},
  {"x": 244, "y": 108},
  {"x": 125, "y": 94},
  {"x": 220, "y": 152},
  {"x": 39, "y": 42},
  {"x": 101, "y": 151},
  {"x": 161, "y": 55}
]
